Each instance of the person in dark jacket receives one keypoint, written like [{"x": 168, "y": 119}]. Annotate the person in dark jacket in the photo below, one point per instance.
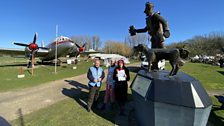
[
  {"x": 95, "y": 76},
  {"x": 121, "y": 77}
]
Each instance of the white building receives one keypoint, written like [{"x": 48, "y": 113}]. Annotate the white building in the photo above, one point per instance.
[{"x": 107, "y": 57}]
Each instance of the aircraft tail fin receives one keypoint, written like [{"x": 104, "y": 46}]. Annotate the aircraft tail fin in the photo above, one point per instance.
[{"x": 42, "y": 44}]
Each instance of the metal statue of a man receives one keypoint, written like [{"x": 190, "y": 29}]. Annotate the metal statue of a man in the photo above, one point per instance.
[{"x": 156, "y": 26}]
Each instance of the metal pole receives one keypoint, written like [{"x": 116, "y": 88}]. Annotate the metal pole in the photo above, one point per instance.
[
  {"x": 56, "y": 49},
  {"x": 32, "y": 63}
]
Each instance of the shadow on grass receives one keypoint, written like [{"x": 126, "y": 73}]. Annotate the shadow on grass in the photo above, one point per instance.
[
  {"x": 214, "y": 118},
  {"x": 45, "y": 63},
  {"x": 81, "y": 97},
  {"x": 221, "y": 72},
  {"x": 13, "y": 65},
  {"x": 77, "y": 84},
  {"x": 76, "y": 91},
  {"x": 21, "y": 118},
  {"x": 20, "y": 65},
  {"x": 25, "y": 64}
]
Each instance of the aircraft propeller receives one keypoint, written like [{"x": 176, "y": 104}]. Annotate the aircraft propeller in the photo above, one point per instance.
[
  {"x": 33, "y": 48},
  {"x": 81, "y": 48}
]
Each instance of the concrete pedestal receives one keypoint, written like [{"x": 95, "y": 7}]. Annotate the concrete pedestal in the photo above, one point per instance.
[{"x": 161, "y": 100}]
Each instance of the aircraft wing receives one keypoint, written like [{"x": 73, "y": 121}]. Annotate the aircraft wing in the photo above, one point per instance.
[
  {"x": 21, "y": 52},
  {"x": 42, "y": 53},
  {"x": 91, "y": 52},
  {"x": 12, "y": 52},
  {"x": 75, "y": 53}
]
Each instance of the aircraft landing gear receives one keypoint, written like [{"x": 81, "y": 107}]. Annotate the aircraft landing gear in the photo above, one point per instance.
[
  {"x": 29, "y": 64},
  {"x": 76, "y": 61}
]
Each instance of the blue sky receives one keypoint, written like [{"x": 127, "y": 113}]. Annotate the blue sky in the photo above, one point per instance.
[{"x": 109, "y": 19}]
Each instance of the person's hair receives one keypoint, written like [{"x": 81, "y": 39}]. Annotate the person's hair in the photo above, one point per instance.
[
  {"x": 96, "y": 60},
  {"x": 120, "y": 61},
  {"x": 113, "y": 60},
  {"x": 148, "y": 4}
]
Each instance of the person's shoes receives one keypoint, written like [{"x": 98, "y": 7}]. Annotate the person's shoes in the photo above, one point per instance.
[{"x": 88, "y": 108}]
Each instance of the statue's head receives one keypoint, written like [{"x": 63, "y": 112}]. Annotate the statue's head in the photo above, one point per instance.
[
  {"x": 149, "y": 8},
  {"x": 139, "y": 48},
  {"x": 184, "y": 53}
]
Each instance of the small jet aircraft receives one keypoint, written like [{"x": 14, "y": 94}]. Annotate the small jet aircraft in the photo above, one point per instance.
[{"x": 65, "y": 46}]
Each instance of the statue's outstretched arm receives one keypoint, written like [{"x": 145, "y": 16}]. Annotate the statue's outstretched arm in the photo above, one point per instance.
[
  {"x": 141, "y": 30},
  {"x": 133, "y": 31}
]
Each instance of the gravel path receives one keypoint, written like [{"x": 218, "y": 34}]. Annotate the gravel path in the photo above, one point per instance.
[{"x": 27, "y": 100}]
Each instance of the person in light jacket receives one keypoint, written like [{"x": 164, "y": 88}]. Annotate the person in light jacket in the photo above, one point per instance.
[{"x": 95, "y": 76}]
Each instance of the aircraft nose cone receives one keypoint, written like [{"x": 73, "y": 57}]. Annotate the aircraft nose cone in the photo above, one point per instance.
[
  {"x": 33, "y": 46},
  {"x": 81, "y": 49}
]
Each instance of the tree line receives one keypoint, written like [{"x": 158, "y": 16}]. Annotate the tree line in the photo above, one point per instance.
[
  {"x": 125, "y": 48},
  {"x": 209, "y": 44},
  {"x": 92, "y": 42},
  {"x": 112, "y": 46}
]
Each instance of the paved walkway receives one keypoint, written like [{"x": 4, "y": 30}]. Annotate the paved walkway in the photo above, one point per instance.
[{"x": 28, "y": 100}]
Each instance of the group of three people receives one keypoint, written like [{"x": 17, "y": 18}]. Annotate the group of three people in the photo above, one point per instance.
[{"x": 116, "y": 84}]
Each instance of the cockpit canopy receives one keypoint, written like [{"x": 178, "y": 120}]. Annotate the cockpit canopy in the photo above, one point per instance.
[{"x": 62, "y": 38}]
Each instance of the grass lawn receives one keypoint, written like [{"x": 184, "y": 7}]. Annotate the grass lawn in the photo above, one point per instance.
[
  {"x": 216, "y": 115},
  {"x": 65, "y": 113},
  {"x": 42, "y": 73},
  {"x": 211, "y": 77},
  {"x": 70, "y": 112}
]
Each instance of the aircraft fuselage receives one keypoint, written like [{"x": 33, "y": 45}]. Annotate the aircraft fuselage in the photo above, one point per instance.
[{"x": 64, "y": 47}]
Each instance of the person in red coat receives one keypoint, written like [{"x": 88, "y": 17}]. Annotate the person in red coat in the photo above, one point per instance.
[{"x": 121, "y": 77}]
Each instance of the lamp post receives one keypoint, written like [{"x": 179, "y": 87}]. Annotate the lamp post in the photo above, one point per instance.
[{"x": 56, "y": 50}]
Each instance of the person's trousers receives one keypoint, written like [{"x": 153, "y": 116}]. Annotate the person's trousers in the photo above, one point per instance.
[
  {"x": 94, "y": 93},
  {"x": 109, "y": 94}
]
